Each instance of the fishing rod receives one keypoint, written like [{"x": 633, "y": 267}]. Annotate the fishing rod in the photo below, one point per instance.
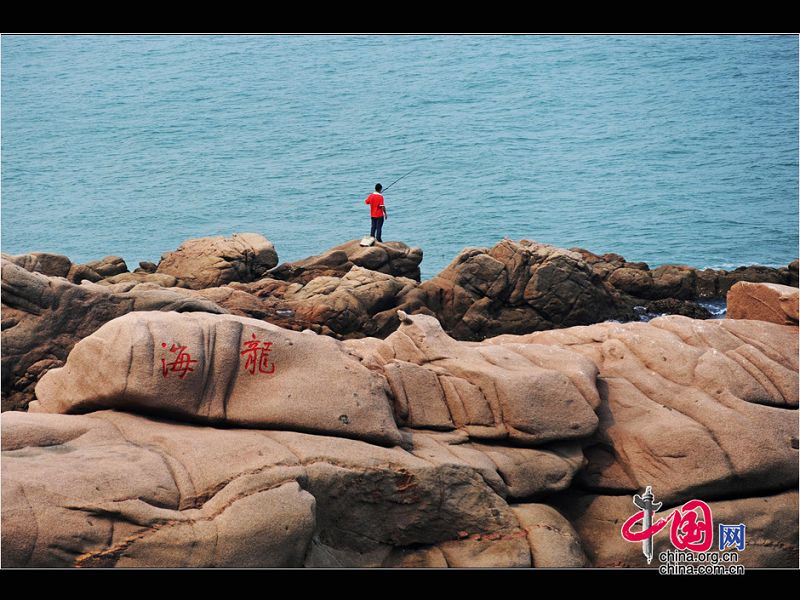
[{"x": 399, "y": 178}]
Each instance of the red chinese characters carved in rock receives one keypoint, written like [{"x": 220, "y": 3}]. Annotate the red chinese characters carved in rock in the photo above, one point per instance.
[
  {"x": 257, "y": 353},
  {"x": 182, "y": 364}
]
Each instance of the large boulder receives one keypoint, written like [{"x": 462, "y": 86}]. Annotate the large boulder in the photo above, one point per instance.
[
  {"x": 113, "y": 489},
  {"x": 553, "y": 541},
  {"x": 362, "y": 303},
  {"x": 214, "y": 261},
  {"x": 690, "y": 407},
  {"x": 221, "y": 369},
  {"x": 515, "y": 287},
  {"x": 392, "y": 258},
  {"x": 108, "y": 266},
  {"x": 636, "y": 282},
  {"x": 674, "y": 281},
  {"x": 677, "y": 282},
  {"x": 145, "y": 266},
  {"x": 46, "y": 263},
  {"x": 44, "y": 317},
  {"x": 97, "y": 270},
  {"x": 763, "y": 301},
  {"x": 526, "y": 393}
]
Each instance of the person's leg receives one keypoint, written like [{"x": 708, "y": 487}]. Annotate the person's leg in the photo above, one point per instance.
[
  {"x": 374, "y": 226},
  {"x": 379, "y": 227}
]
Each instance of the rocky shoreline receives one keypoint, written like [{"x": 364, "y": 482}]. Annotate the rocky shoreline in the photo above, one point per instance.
[
  {"x": 347, "y": 292},
  {"x": 221, "y": 409}
]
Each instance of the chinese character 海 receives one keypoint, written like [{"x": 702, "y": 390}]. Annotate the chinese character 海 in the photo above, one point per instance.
[
  {"x": 182, "y": 363},
  {"x": 257, "y": 354}
]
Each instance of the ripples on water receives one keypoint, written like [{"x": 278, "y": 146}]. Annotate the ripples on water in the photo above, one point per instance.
[{"x": 662, "y": 149}]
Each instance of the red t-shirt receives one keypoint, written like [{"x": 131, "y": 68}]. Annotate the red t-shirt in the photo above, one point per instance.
[{"x": 375, "y": 202}]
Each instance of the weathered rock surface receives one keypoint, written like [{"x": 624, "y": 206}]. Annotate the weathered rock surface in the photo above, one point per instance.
[
  {"x": 515, "y": 287},
  {"x": 792, "y": 273},
  {"x": 764, "y": 302},
  {"x": 97, "y": 270},
  {"x": 113, "y": 489},
  {"x": 146, "y": 266},
  {"x": 679, "y": 282},
  {"x": 553, "y": 541},
  {"x": 526, "y": 393},
  {"x": 221, "y": 369},
  {"x": 158, "y": 279},
  {"x": 214, "y": 261},
  {"x": 360, "y": 303},
  {"x": 693, "y": 408},
  {"x": 108, "y": 266},
  {"x": 392, "y": 258},
  {"x": 755, "y": 274},
  {"x": 53, "y": 265},
  {"x": 80, "y": 273},
  {"x": 263, "y": 300},
  {"x": 510, "y": 288},
  {"x": 44, "y": 317},
  {"x": 771, "y": 534}
]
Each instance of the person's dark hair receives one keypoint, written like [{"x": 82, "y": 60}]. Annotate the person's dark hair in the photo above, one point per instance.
[{"x": 378, "y": 187}]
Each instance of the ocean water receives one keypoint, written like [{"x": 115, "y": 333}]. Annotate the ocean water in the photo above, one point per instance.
[{"x": 664, "y": 149}]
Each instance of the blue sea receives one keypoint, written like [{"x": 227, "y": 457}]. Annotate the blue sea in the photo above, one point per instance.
[{"x": 665, "y": 149}]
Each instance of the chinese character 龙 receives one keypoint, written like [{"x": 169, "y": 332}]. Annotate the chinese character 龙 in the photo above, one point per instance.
[{"x": 257, "y": 354}]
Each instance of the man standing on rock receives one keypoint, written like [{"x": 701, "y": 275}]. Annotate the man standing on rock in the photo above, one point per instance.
[{"x": 377, "y": 212}]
